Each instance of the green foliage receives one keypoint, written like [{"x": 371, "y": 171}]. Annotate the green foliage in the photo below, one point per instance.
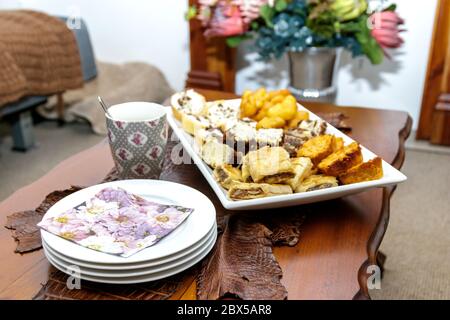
[
  {"x": 267, "y": 14},
  {"x": 191, "y": 13},
  {"x": 362, "y": 33},
  {"x": 234, "y": 41}
]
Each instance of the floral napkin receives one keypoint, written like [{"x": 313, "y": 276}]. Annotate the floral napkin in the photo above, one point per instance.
[{"x": 117, "y": 222}]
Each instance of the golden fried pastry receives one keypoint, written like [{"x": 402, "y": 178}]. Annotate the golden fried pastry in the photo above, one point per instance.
[
  {"x": 317, "y": 148},
  {"x": 226, "y": 174},
  {"x": 368, "y": 171},
  {"x": 317, "y": 182},
  {"x": 302, "y": 169},
  {"x": 342, "y": 160},
  {"x": 271, "y": 122},
  {"x": 247, "y": 191},
  {"x": 270, "y": 165}
]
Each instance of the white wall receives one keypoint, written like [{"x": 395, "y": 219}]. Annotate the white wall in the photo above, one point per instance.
[
  {"x": 155, "y": 31},
  {"x": 152, "y": 31},
  {"x": 395, "y": 84}
]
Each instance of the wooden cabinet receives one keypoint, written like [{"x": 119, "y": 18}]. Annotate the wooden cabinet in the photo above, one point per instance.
[{"x": 213, "y": 63}]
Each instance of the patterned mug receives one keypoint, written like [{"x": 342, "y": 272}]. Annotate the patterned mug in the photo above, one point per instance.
[{"x": 137, "y": 134}]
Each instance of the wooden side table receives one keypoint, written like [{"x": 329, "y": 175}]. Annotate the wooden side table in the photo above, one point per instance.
[{"x": 339, "y": 240}]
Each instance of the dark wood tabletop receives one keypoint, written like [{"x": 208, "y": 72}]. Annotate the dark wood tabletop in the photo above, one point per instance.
[{"x": 338, "y": 241}]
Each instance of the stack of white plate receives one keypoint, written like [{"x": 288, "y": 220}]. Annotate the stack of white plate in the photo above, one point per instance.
[{"x": 181, "y": 249}]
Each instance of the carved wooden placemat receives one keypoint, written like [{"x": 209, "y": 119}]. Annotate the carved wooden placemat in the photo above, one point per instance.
[
  {"x": 57, "y": 288},
  {"x": 24, "y": 224},
  {"x": 241, "y": 264}
]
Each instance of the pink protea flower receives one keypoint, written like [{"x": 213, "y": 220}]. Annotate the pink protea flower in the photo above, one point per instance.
[
  {"x": 226, "y": 20},
  {"x": 250, "y": 9},
  {"x": 385, "y": 29}
]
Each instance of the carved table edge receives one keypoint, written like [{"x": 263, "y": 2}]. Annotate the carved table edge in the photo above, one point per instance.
[{"x": 377, "y": 236}]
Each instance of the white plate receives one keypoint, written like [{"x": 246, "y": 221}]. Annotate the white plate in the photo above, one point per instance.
[
  {"x": 391, "y": 175},
  {"x": 93, "y": 271},
  {"x": 190, "y": 232},
  {"x": 135, "y": 266},
  {"x": 129, "y": 280}
]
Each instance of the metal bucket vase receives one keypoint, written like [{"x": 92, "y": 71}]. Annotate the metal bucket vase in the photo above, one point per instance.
[{"x": 312, "y": 73}]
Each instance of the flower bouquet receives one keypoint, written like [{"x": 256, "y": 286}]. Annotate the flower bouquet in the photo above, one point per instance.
[{"x": 281, "y": 26}]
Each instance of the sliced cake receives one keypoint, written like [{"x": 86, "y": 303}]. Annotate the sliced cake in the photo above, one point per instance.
[{"x": 342, "y": 160}]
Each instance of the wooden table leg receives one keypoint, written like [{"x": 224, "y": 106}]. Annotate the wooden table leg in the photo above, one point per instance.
[
  {"x": 60, "y": 108},
  {"x": 381, "y": 259}
]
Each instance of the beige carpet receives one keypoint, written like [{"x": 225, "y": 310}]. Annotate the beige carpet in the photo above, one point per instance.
[{"x": 417, "y": 242}]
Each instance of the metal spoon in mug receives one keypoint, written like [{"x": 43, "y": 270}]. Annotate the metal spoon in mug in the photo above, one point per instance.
[{"x": 105, "y": 108}]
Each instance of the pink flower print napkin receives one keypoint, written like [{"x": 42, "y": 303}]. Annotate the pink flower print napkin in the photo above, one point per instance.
[{"x": 117, "y": 222}]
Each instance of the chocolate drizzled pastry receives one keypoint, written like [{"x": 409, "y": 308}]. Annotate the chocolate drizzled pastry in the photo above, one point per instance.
[{"x": 307, "y": 129}]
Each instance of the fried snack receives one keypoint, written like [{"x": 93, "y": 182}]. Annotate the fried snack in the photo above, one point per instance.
[
  {"x": 191, "y": 123},
  {"x": 316, "y": 182},
  {"x": 270, "y": 165},
  {"x": 317, "y": 148},
  {"x": 287, "y": 109},
  {"x": 247, "y": 191},
  {"x": 215, "y": 154},
  {"x": 187, "y": 102},
  {"x": 368, "y": 171},
  {"x": 342, "y": 160},
  {"x": 299, "y": 117},
  {"x": 268, "y": 123},
  {"x": 302, "y": 169},
  {"x": 271, "y": 109},
  {"x": 251, "y": 102},
  {"x": 226, "y": 174}
]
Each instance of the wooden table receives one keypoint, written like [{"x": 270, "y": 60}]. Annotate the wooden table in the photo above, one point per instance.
[{"x": 337, "y": 244}]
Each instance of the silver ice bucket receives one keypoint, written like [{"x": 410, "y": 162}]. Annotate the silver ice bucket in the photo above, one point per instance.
[{"x": 312, "y": 73}]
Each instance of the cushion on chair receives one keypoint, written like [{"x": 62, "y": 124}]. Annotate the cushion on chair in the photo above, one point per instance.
[{"x": 116, "y": 83}]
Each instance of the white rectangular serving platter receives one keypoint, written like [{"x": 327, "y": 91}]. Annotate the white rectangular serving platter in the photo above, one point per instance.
[{"x": 391, "y": 175}]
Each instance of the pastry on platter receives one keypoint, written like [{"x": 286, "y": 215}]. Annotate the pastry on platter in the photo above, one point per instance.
[
  {"x": 269, "y": 137},
  {"x": 316, "y": 127},
  {"x": 316, "y": 182},
  {"x": 317, "y": 148},
  {"x": 368, "y": 171},
  {"x": 342, "y": 160},
  {"x": 242, "y": 136},
  {"x": 215, "y": 154},
  {"x": 226, "y": 174},
  {"x": 302, "y": 168},
  {"x": 187, "y": 102},
  {"x": 203, "y": 136},
  {"x": 294, "y": 139},
  {"x": 270, "y": 165},
  {"x": 191, "y": 124},
  {"x": 338, "y": 143},
  {"x": 247, "y": 191},
  {"x": 245, "y": 169},
  {"x": 222, "y": 115}
]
